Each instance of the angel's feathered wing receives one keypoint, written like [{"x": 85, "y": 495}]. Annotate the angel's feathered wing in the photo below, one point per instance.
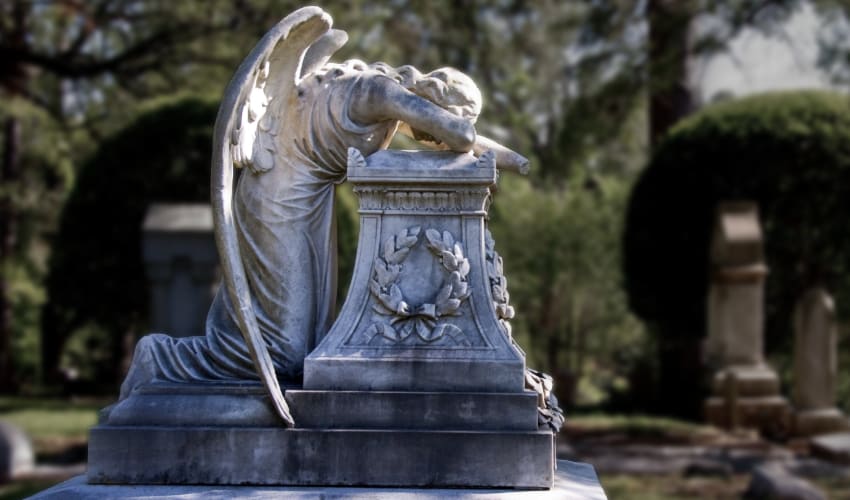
[{"x": 254, "y": 105}]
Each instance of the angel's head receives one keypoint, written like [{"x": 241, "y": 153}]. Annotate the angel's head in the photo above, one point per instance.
[{"x": 448, "y": 88}]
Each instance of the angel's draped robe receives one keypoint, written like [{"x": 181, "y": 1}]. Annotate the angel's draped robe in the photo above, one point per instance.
[{"x": 286, "y": 227}]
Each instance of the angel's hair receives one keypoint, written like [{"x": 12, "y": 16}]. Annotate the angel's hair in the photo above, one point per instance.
[{"x": 447, "y": 87}]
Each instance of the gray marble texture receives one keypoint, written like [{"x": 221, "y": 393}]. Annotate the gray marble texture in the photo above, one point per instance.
[{"x": 573, "y": 481}]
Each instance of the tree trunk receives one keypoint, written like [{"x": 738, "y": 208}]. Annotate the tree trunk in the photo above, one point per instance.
[
  {"x": 680, "y": 374},
  {"x": 670, "y": 95},
  {"x": 14, "y": 82},
  {"x": 9, "y": 175}
]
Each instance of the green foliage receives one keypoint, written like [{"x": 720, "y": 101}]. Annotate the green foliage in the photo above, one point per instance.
[
  {"x": 35, "y": 198},
  {"x": 96, "y": 271},
  {"x": 561, "y": 254},
  {"x": 790, "y": 152},
  {"x": 48, "y": 419},
  {"x": 24, "y": 488}
]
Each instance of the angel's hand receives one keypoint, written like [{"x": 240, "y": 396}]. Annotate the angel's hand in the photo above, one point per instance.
[
  {"x": 506, "y": 158},
  {"x": 381, "y": 98}
]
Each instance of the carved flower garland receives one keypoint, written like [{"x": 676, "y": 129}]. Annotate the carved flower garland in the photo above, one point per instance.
[
  {"x": 422, "y": 320},
  {"x": 498, "y": 283}
]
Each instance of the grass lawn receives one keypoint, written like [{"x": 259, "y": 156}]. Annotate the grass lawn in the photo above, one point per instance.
[
  {"x": 642, "y": 428},
  {"x": 651, "y": 487},
  {"x": 54, "y": 425},
  {"x": 24, "y": 488}
]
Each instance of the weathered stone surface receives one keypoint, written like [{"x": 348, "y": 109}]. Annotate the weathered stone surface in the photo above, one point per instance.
[
  {"x": 414, "y": 410},
  {"x": 247, "y": 404},
  {"x": 308, "y": 457},
  {"x": 573, "y": 481},
  {"x": 421, "y": 313},
  {"x": 16, "y": 453}
]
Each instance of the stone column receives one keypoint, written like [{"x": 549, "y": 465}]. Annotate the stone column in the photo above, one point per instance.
[
  {"x": 745, "y": 390},
  {"x": 815, "y": 365},
  {"x": 181, "y": 263}
]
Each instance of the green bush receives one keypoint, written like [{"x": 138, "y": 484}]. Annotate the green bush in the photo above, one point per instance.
[
  {"x": 789, "y": 152},
  {"x": 96, "y": 276},
  {"x": 561, "y": 254}
]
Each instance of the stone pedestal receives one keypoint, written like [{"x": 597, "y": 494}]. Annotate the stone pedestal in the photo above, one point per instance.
[
  {"x": 816, "y": 366},
  {"x": 417, "y": 384},
  {"x": 745, "y": 390},
  {"x": 181, "y": 263},
  {"x": 420, "y": 314}
]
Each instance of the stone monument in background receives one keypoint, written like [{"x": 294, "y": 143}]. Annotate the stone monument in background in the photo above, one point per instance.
[
  {"x": 418, "y": 383},
  {"x": 181, "y": 263},
  {"x": 745, "y": 390},
  {"x": 816, "y": 365}
]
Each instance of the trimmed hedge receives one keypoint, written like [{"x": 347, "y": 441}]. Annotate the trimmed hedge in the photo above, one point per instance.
[
  {"x": 788, "y": 151},
  {"x": 96, "y": 274}
]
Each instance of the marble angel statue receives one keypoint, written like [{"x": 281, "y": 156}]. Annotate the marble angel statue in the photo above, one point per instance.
[{"x": 288, "y": 119}]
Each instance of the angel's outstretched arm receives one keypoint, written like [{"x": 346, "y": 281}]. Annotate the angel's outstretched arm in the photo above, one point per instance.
[
  {"x": 506, "y": 158},
  {"x": 380, "y": 98}
]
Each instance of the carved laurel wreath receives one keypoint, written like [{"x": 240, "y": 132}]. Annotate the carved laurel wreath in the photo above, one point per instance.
[{"x": 423, "y": 320}]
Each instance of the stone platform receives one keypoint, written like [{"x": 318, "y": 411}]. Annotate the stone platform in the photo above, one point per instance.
[
  {"x": 227, "y": 434},
  {"x": 573, "y": 481}
]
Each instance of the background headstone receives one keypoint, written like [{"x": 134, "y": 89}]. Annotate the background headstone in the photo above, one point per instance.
[
  {"x": 816, "y": 365},
  {"x": 181, "y": 263},
  {"x": 745, "y": 390},
  {"x": 16, "y": 453}
]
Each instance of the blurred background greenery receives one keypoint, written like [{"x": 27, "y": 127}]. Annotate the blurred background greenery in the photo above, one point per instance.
[{"x": 108, "y": 106}]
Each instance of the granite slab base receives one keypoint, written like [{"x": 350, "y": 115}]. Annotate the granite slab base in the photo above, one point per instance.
[
  {"x": 573, "y": 481},
  {"x": 228, "y": 434},
  {"x": 306, "y": 457},
  {"x": 247, "y": 405}
]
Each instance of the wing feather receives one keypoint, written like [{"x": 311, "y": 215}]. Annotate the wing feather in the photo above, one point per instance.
[{"x": 270, "y": 73}]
